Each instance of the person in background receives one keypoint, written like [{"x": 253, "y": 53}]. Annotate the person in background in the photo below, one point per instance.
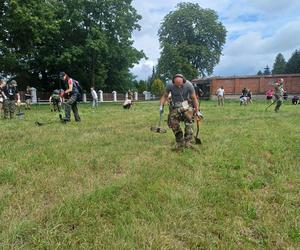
[
  {"x": 244, "y": 92},
  {"x": 249, "y": 96},
  {"x": 295, "y": 100},
  {"x": 11, "y": 93},
  {"x": 55, "y": 101},
  {"x": 2, "y": 95},
  {"x": 95, "y": 98},
  {"x": 269, "y": 95},
  {"x": 278, "y": 89},
  {"x": 285, "y": 95},
  {"x": 221, "y": 95},
  {"x": 28, "y": 98}
]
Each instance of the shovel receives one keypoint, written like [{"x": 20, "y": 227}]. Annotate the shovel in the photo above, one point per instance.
[
  {"x": 158, "y": 129},
  {"x": 197, "y": 139}
]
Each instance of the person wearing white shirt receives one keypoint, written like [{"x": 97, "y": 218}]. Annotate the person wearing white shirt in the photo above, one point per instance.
[
  {"x": 220, "y": 94},
  {"x": 95, "y": 97}
]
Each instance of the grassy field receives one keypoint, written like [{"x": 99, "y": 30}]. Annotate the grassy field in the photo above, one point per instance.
[{"x": 110, "y": 183}]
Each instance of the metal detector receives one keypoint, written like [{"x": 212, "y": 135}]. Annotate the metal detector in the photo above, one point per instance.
[
  {"x": 158, "y": 128},
  {"x": 42, "y": 123}
]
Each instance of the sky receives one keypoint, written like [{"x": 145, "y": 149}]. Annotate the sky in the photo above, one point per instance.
[{"x": 257, "y": 30}]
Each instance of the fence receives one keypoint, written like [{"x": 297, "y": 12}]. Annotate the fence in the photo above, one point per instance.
[
  {"x": 258, "y": 84},
  {"x": 41, "y": 97}
]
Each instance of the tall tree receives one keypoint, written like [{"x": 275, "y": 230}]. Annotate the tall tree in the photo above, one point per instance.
[
  {"x": 90, "y": 39},
  {"x": 267, "y": 70},
  {"x": 27, "y": 26},
  {"x": 157, "y": 87},
  {"x": 279, "y": 65},
  {"x": 191, "y": 39},
  {"x": 259, "y": 73},
  {"x": 293, "y": 64}
]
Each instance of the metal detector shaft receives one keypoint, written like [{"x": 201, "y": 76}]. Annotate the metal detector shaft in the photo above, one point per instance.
[
  {"x": 160, "y": 119},
  {"x": 270, "y": 105}
]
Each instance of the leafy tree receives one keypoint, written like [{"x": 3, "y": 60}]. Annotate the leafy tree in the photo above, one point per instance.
[
  {"x": 267, "y": 70},
  {"x": 158, "y": 87},
  {"x": 191, "y": 39},
  {"x": 279, "y": 65},
  {"x": 259, "y": 73},
  {"x": 27, "y": 26},
  {"x": 141, "y": 86},
  {"x": 293, "y": 64},
  {"x": 90, "y": 39}
]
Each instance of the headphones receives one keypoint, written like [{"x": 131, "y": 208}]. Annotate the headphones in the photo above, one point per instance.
[{"x": 178, "y": 75}]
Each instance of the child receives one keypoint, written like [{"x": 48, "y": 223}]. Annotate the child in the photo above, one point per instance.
[{"x": 55, "y": 101}]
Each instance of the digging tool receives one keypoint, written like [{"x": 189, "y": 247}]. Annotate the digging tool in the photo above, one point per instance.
[
  {"x": 197, "y": 137},
  {"x": 158, "y": 128}
]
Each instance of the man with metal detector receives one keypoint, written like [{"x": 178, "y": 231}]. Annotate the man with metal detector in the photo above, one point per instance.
[
  {"x": 278, "y": 94},
  {"x": 10, "y": 93},
  {"x": 73, "y": 92},
  {"x": 180, "y": 110}
]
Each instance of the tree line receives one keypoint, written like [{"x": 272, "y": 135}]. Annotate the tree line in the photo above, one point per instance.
[
  {"x": 92, "y": 41},
  {"x": 281, "y": 66},
  {"x": 89, "y": 39}
]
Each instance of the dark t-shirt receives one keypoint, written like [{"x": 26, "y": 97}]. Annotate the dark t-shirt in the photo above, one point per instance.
[
  {"x": 244, "y": 92},
  {"x": 180, "y": 94},
  {"x": 10, "y": 92},
  {"x": 75, "y": 90},
  {"x": 28, "y": 94}
]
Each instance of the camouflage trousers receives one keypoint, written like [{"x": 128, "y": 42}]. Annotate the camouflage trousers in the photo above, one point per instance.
[
  {"x": 55, "y": 105},
  {"x": 175, "y": 117},
  {"x": 9, "y": 107},
  {"x": 71, "y": 104},
  {"x": 279, "y": 101},
  {"x": 28, "y": 104},
  {"x": 1, "y": 109}
]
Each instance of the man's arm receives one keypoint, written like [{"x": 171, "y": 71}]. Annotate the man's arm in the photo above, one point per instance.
[
  {"x": 18, "y": 98},
  {"x": 195, "y": 102},
  {"x": 164, "y": 98},
  {"x": 3, "y": 94},
  {"x": 196, "y": 105}
]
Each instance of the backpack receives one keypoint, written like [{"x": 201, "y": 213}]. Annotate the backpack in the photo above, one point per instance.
[{"x": 79, "y": 88}]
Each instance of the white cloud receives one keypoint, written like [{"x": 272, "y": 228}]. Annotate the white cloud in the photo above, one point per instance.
[{"x": 257, "y": 31}]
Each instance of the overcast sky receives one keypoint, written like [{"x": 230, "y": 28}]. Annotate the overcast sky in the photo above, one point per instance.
[{"x": 257, "y": 30}]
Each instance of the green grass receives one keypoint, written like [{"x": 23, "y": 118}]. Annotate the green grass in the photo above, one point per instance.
[{"x": 110, "y": 183}]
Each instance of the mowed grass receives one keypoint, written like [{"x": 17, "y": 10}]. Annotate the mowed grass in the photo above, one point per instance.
[{"x": 110, "y": 183}]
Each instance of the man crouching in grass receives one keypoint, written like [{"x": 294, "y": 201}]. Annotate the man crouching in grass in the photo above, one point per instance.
[{"x": 180, "y": 110}]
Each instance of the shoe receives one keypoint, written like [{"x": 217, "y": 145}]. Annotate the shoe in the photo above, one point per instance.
[
  {"x": 188, "y": 144},
  {"x": 64, "y": 119},
  {"x": 179, "y": 146}
]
